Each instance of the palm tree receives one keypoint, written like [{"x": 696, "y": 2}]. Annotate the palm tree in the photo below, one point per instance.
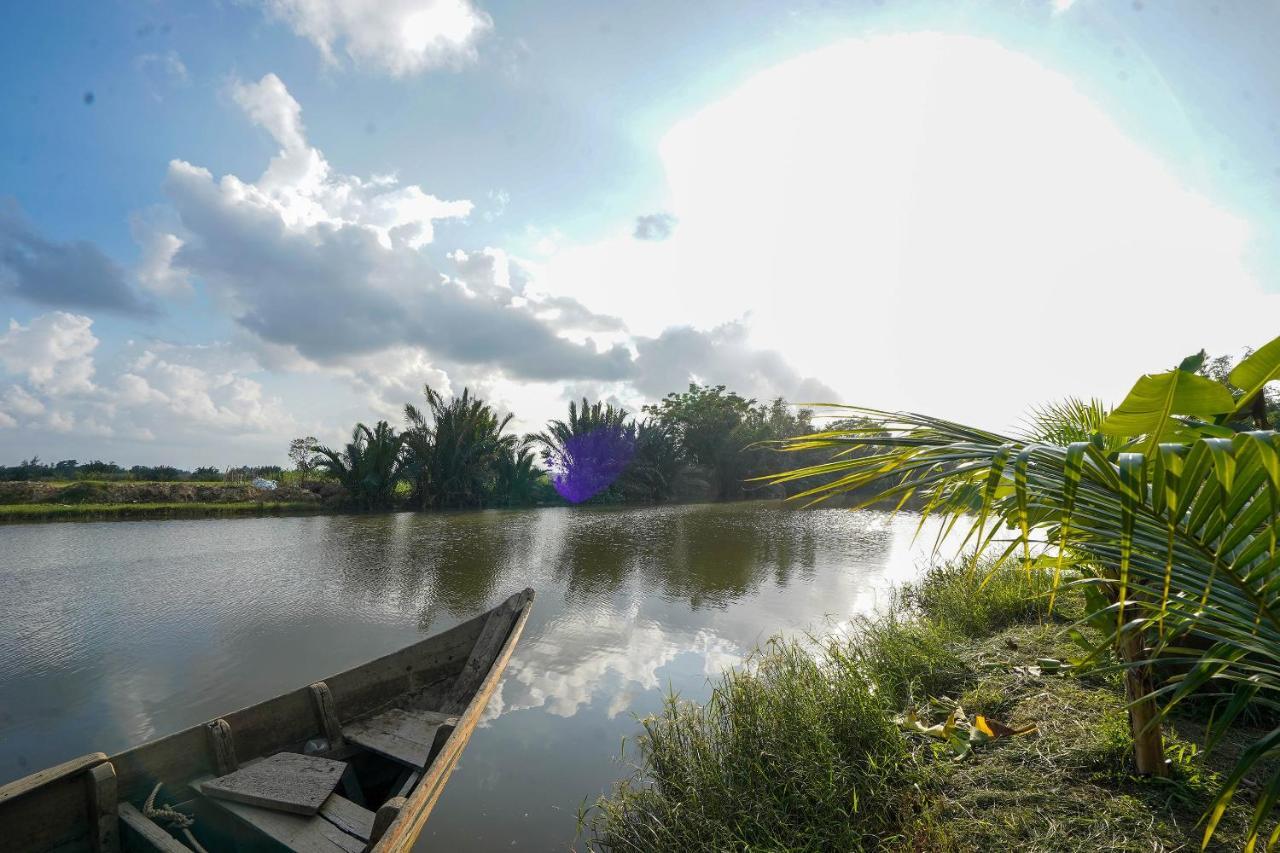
[
  {"x": 1168, "y": 509},
  {"x": 368, "y": 467},
  {"x": 587, "y": 453},
  {"x": 454, "y": 456},
  {"x": 518, "y": 476},
  {"x": 658, "y": 469}
]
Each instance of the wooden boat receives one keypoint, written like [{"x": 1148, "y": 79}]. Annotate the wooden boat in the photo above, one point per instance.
[{"x": 382, "y": 737}]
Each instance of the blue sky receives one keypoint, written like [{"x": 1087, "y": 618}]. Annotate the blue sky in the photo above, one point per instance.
[{"x": 225, "y": 224}]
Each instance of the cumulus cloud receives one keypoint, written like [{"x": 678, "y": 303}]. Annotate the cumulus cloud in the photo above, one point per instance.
[
  {"x": 654, "y": 226},
  {"x": 722, "y": 356},
  {"x": 400, "y": 37},
  {"x": 73, "y": 274},
  {"x": 178, "y": 391},
  {"x": 331, "y": 265},
  {"x": 158, "y": 245},
  {"x": 54, "y": 352}
]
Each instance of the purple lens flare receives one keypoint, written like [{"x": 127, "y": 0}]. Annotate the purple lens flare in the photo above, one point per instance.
[{"x": 591, "y": 462}]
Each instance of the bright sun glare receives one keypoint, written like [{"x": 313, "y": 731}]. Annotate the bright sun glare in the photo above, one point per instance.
[{"x": 943, "y": 186}]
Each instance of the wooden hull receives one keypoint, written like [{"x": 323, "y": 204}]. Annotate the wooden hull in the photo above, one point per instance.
[{"x": 81, "y": 805}]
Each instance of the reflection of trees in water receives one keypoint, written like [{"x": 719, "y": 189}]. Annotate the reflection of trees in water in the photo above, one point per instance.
[
  {"x": 724, "y": 555},
  {"x": 598, "y": 550},
  {"x": 709, "y": 555},
  {"x": 424, "y": 562},
  {"x": 461, "y": 559},
  {"x": 361, "y": 548}
]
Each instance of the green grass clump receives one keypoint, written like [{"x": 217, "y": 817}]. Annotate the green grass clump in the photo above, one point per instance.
[
  {"x": 800, "y": 750},
  {"x": 795, "y": 752},
  {"x": 976, "y": 599}
]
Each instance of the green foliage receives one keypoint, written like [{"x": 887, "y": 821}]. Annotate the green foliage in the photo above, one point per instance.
[
  {"x": 973, "y": 598},
  {"x": 722, "y": 431},
  {"x": 1070, "y": 420},
  {"x": 799, "y": 750},
  {"x": 302, "y": 456},
  {"x": 519, "y": 481},
  {"x": 1260, "y": 405},
  {"x": 589, "y": 418},
  {"x": 705, "y": 422},
  {"x": 368, "y": 467},
  {"x": 797, "y": 753},
  {"x": 455, "y": 455},
  {"x": 1180, "y": 528},
  {"x": 658, "y": 470},
  {"x": 18, "y": 513}
]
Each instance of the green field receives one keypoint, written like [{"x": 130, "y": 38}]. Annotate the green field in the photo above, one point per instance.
[{"x": 15, "y": 513}]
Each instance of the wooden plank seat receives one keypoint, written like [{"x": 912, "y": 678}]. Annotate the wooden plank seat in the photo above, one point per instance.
[
  {"x": 340, "y": 826},
  {"x": 405, "y": 736},
  {"x": 286, "y": 782}
]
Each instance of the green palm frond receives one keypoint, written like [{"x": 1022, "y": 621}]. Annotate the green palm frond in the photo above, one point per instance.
[
  {"x": 1172, "y": 517},
  {"x": 455, "y": 450},
  {"x": 369, "y": 466}
]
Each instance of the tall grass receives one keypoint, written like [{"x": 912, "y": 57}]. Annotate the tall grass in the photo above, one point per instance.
[
  {"x": 800, "y": 749},
  {"x": 796, "y": 753}
]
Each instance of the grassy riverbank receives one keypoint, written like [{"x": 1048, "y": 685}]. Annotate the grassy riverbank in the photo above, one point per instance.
[
  {"x": 17, "y": 513},
  {"x": 805, "y": 749},
  {"x": 91, "y": 500}
]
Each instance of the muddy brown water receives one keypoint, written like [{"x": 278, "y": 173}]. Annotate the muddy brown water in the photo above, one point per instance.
[{"x": 112, "y": 633}]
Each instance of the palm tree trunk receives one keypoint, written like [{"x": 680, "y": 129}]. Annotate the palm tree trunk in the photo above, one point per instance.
[{"x": 1148, "y": 735}]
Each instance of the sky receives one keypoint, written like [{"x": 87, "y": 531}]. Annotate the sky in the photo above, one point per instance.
[{"x": 226, "y": 224}]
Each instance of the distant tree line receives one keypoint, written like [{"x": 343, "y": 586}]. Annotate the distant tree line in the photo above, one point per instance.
[
  {"x": 73, "y": 470},
  {"x": 706, "y": 442}
]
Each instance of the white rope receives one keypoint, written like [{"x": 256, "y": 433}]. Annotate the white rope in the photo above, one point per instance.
[{"x": 176, "y": 819}]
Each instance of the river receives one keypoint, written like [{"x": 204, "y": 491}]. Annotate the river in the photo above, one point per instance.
[{"x": 112, "y": 633}]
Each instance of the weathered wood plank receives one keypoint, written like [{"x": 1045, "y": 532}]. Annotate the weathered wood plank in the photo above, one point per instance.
[
  {"x": 141, "y": 833},
  {"x": 285, "y": 782},
  {"x": 406, "y": 783},
  {"x": 327, "y": 714},
  {"x": 386, "y": 816},
  {"x": 104, "y": 831},
  {"x": 480, "y": 661},
  {"x": 221, "y": 747},
  {"x": 39, "y": 779},
  {"x": 299, "y": 833},
  {"x": 403, "y": 736},
  {"x": 348, "y": 816},
  {"x": 49, "y": 808}
]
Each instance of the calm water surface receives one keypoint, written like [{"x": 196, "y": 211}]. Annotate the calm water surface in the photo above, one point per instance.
[{"x": 113, "y": 633}]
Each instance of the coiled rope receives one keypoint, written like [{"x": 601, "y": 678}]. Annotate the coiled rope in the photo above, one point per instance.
[{"x": 176, "y": 819}]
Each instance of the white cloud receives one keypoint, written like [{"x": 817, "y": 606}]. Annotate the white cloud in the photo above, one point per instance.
[
  {"x": 54, "y": 352},
  {"x": 931, "y": 222},
  {"x": 186, "y": 393},
  {"x": 330, "y": 266},
  {"x": 155, "y": 271},
  {"x": 400, "y": 37},
  {"x": 300, "y": 188}
]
